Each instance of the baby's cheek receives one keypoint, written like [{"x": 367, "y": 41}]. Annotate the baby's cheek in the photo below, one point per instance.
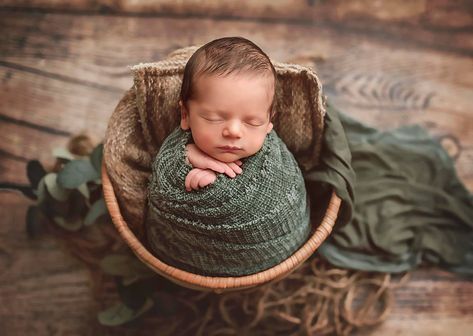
[
  {"x": 208, "y": 138},
  {"x": 257, "y": 144},
  {"x": 203, "y": 140}
]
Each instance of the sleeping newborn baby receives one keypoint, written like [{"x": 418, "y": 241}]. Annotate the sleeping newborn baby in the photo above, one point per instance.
[{"x": 226, "y": 197}]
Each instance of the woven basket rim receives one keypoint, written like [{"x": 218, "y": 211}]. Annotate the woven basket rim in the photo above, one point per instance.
[{"x": 218, "y": 283}]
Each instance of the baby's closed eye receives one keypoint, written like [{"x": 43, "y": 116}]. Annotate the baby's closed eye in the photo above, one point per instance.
[
  {"x": 254, "y": 122},
  {"x": 213, "y": 119}
]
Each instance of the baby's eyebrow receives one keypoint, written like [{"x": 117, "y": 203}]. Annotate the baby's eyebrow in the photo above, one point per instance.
[
  {"x": 206, "y": 110},
  {"x": 223, "y": 113},
  {"x": 220, "y": 113}
]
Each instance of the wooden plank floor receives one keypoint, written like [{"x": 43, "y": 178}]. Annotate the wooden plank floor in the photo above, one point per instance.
[{"x": 63, "y": 68}]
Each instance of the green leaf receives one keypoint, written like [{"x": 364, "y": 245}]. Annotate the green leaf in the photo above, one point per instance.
[
  {"x": 57, "y": 209},
  {"x": 56, "y": 191},
  {"x": 84, "y": 190},
  {"x": 96, "y": 210},
  {"x": 125, "y": 266},
  {"x": 34, "y": 224},
  {"x": 68, "y": 224},
  {"x": 41, "y": 192},
  {"x": 35, "y": 172},
  {"x": 63, "y": 153},
  {"x": 129, "y": 280},
  {"x": 134, "y": 295},
  {"x": 96, "y": 157},
  {"x": 75, "y": 173},
  {"x": 120, "y": 314},
  {"x": 78, "y": 205}
]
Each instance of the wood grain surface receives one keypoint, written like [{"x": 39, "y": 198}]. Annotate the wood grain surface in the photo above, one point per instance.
[{"x": 64, "y": 67}]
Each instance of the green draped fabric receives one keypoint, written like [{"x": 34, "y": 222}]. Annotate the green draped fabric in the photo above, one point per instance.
[{"x": 405, "y": 206}]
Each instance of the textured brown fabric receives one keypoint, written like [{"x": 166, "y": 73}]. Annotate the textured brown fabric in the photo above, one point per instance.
[{"x": 148, "y": 113}]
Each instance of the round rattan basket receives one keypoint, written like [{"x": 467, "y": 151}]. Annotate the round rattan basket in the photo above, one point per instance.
[
  {"x": 218, "y": 284},
  {"x": 148, "y": 113}
]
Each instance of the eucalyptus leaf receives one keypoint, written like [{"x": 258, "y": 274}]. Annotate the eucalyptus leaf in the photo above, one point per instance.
[
  {"x": 124, "y": 266},
  {"x": 55, "y": 190},
  {"x": 96, "y": 157},
  {"x": 132, "y": 279},
  {"x": 34, "y": 224},
  {"x": 96, "y": 210},
  {"x": 78, "y": 205},
  {"x": 68, "y": 224},
  {"x": 35, "y": 172},
  {"x": 75, "y": 173},
  {"x": 63, "y": 153},
  {"x": 134, "y": 295},
  {"x": 57, "y": 208},
  {"x": 68, "y": 214},
  {"x": 120, "y": 314},
  {"x": 84, "y": 190},
  {"x": 41, "y": 191},
  {"x": 129, "y": 280}
]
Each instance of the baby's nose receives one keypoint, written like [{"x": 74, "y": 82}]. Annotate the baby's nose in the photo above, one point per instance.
[{"x": 232, "y": 129}]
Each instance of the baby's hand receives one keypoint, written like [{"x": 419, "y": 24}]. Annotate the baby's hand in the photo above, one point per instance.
[
  {"x": 199, "y": 159},
  {"x": 199, "y": 178}
]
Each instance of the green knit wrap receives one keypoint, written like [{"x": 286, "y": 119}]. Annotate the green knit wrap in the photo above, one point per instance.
[{"x": 234, "y": 226}]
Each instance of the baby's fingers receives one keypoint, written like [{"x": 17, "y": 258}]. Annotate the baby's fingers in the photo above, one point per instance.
[
  {"x": 196, "y": 178},
  {"x": 208, "y": 177},
  {"x": 221, "y": 167},
  {"x": 216, "y": 166},
  {"x": 190, "y": 177},
  {"x": 229, "y": 171},
  {"x": 235, "y": 167}
]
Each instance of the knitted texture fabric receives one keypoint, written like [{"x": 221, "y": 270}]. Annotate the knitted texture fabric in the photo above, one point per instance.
[
  {"x": 234, "y": 226},
  {"x": 148, "y": 113}
]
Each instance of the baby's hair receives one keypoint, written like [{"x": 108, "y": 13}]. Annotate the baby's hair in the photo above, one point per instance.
[{"x": 225, "y": 56}]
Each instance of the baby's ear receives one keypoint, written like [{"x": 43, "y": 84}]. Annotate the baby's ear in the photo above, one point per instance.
[
  {"x": 184, "y": 116},
  {"x": 269, "y": 128}
]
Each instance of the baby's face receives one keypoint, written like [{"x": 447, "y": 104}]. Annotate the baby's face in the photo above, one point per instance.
[{"x": 229, "y": 116}]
